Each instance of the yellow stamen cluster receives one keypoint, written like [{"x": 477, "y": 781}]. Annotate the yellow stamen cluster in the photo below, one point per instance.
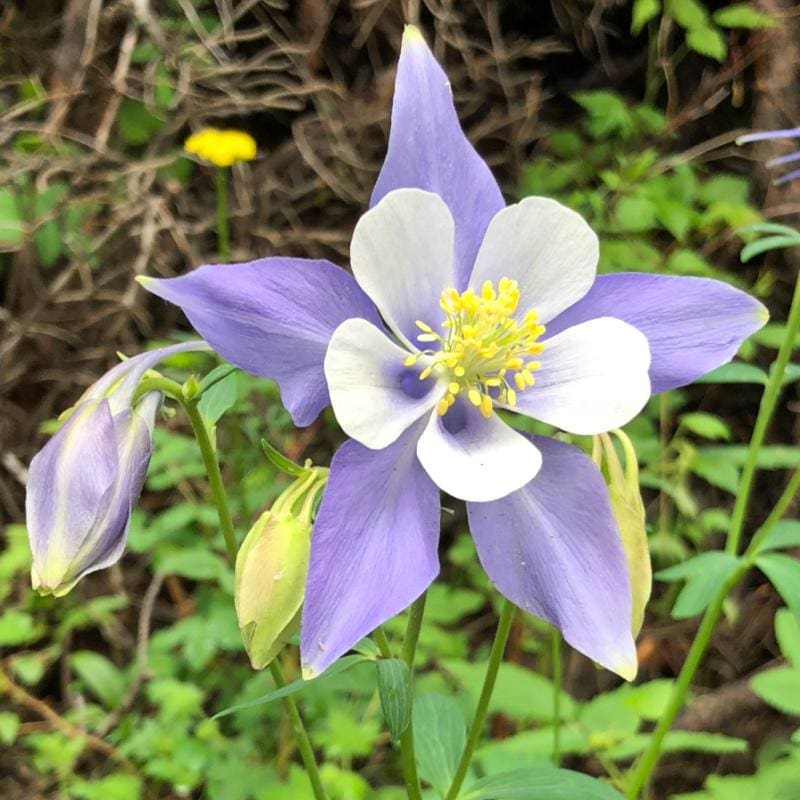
[
  {"x": 484, "y": 348},
  {"x": 221, "y": 147}
]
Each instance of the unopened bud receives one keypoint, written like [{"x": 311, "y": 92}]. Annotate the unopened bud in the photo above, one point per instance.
[{"x": 271, "y": 570}]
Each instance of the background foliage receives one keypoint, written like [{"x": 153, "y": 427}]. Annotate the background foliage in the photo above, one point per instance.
[{"x": 624, "y": 111}]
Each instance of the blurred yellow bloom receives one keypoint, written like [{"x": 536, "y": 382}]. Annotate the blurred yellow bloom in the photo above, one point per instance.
[{"x": 221, "y": 147}]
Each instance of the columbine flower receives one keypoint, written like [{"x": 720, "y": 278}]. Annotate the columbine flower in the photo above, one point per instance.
[
  {"x": 789, "y": 158},
  {"x": 84, "y": 483},
  {"x": 223, "y": 148},
  {"x": 459, "y": 308}
]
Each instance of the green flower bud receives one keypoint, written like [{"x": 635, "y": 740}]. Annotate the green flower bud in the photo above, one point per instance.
[
  {"x": 271, "y": 569},
  {"x": 628, "y": 508}
]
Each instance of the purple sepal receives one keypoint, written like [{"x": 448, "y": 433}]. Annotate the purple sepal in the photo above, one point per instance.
[
  {"x": 554, "y": 549},
  {"x": 428, "y": 150},
  {"x": 693, "y": 325},
  {"x": 272, "y": 317},
  {"x": 374, "y": 547}
]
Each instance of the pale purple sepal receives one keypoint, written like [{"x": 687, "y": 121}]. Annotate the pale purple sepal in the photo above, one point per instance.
[
  {"x": 693, "y": 325},
  {"x": 374, "y": 548},
  {"x": 554, "y": 549},
  {"x": 272, "y": 317},
  {"x": 84, "y": 482},
  {"x": 428, "y": 150}
]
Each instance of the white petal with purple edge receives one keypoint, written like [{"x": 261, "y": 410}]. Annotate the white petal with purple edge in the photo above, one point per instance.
[
  {"x": 374, "y": 397},
  {"x": 374, "y": 549},
  {"x": 473, "y": 458},
  {"x": 546, "y": 247},
  {"x": 402, "y": 257},
  {"x": 554, "y": 549},
  {"x": 593, "y": 378}
]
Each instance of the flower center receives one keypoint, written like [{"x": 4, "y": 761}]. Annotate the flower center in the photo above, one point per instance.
[{"x": 484, "y": 348}]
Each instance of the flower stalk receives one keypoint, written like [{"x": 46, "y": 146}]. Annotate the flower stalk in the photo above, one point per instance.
[
  {"x": 644, "y": 767},
  {"x": 223, "y": 230},
  {"x": 474, "y": 735},
  {"x": 407, "y": 756}
]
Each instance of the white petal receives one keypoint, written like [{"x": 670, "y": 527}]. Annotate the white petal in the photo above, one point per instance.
[
  {"x": 593, "y": 378},
  {"x": 375, "y": 398},
  {"x": 474, "y": 458},
  {"x": 402, "y": 257},
  {"x": 547, "y": 248}
]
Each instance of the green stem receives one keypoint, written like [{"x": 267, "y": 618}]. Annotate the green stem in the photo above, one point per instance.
[
  {"x": 300, "y": 732},
  {"x": 223, "y": 235},
  {"x": 214, "y": 477},
  {"x": 555, "y": 655},
  {"x": 495, "y": 657},
  {"x": 765, "y": 411},
  {"x": 379, "y": 635},
  {"x": 226, "y": 523},
  {"x": 777, "y": 512},
  {"x": 644, "y": 767},
  {"x": 407, "y": 757}
]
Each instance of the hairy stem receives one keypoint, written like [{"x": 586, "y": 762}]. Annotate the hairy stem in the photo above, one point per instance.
[{"x": 474, "y": 735}]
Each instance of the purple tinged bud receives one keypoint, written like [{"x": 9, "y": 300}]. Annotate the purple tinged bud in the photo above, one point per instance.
[{"x": 83, "y": 484}]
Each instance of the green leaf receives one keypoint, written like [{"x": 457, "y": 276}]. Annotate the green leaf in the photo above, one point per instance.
[
  {"x": 295, "y": 686},
  {"x": 9, "y": 725},
  {"x": 774, "y": 456},
  {"x": 784, "y": 533},
  {"x": 218, "y": 399},
  {"x": 765, "y": 245},
  {"x": 136, "y": 123},
  {"x": 100, "y": 676},
  {"x": 119, "y": 786},
  {"x": 709, "y": 426},
  {"x": 539, "y": 783},
  {"x": 439, "y": 736},
  {"x": 708, "y": 42},
  {"x": 520, "y": 693},
  {"x": 688, "y": 14},
  {"x": 648, "y": 700},
  {"x": 196, "y": 563},
  {"x": 643, "y": 12},
  {"x": 635, "y": 214},
  {"x": 743, "y": 15},
  {"x": 780, "y": 688},
  {"x": 784, "y": 574},
  {"x": 608, "y": 113},
  {"x": 394, "y": 687},
  {"x": 18, "y": 627},
  {"x": 716, "y": 469},
  {"x": 11, "y": 226},
  {"x": 680, "y": 741},
  {"x": 735, "y": 372},
  {"x": 705, "y": 574},
  {"x": 787, "y": 632}
]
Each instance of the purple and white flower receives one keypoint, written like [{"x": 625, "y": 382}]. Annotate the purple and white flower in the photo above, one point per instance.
[
  {"x": 459, "y": 307},
  {"x": 83, "y": 484}
]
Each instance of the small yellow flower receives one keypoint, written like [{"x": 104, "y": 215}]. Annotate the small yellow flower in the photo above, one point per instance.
[{"x": 221, "y": 147}]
